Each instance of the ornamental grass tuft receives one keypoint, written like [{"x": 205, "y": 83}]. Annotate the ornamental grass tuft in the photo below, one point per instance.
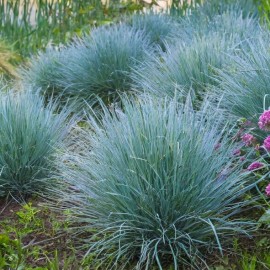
[
  {"x": 29, "y": 136},
  {"x": 184, "y": 69},
  {"x": 154, "y": 188},
  {"x": 43, "y": 75},
  {"x": 160, "y": 29},
  {"x": 246, "y": 84},
  {"x": 96, "y": 66}
]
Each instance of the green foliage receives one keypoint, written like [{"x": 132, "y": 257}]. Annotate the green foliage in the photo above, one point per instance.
[
  {"x": 235, "y": 24},
  {"x": 264, "y": 10},
  {"x": 33, "y": 238},
  {"x": 212, "y": 8},
  {"x": 8, "y": 256},
  {"x": 154, "y": 187},
  {"x": 99, "y": 65},
  {"x": 29, "y": 137},
  {"x": 7, "y": 60},
  {"x": 254, "y": 258},
  {"x": 31, "y": 25}
]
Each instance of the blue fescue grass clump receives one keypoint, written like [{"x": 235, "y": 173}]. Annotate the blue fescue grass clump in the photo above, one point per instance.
[
  {"x": 155, "y": 186},
  {"x": 101, "y": 63},
  {"x": 229, "y": 23},
  {"x": 97, "y": 65},
  {"x": 185, "y": 68},
  {"x": 29, "y": 136},
  {"x": 43, "y": 73},
  {"x": 210, "y": 9},
  {"x": 189, "y": 65},
  {"x": 233, "y": 23},
  {"x": 231, "y": 18},
  {"x": 160, "y": 29},
  {"x": 246, "y": 85}
]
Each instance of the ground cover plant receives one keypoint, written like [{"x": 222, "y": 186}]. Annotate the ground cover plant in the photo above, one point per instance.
[{"x": 32, "y": 237}]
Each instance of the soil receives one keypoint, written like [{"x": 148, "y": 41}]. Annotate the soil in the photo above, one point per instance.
[
  {"x": 8, "y": 209},
  {"x": 48, "y": 236}
]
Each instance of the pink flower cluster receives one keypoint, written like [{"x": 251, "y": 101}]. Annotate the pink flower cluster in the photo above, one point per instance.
[
  {"x": 264, "y": 124},
  {"x": 266, "y": 143},
  {"x": 267, "y": 190},
  {"x": 237, "y": 152},
  {"x": 264, "y": 121},
  {"x": 255, "y": 166},
  {"x": 248, "y": 139}
]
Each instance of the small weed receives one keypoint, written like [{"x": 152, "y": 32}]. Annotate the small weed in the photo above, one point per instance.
[{"x": 33, "y": 237}]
